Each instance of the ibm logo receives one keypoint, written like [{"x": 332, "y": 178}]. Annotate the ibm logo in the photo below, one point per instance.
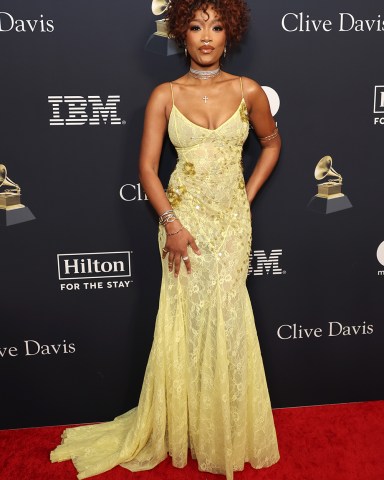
[
  {"x": 76, "y": 110},
  {"x": 265, "y": 264}
]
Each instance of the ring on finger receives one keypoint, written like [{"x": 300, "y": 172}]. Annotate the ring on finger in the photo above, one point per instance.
[
  {"x": 185, "y": 258},
  {"x": 165, "y": 250}
]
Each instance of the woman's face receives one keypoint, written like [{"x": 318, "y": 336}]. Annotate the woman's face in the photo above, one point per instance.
[{"x": 205, "y": 39}]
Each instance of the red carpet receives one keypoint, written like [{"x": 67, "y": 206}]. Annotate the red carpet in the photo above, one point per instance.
[{"x": 332, "y": 442}]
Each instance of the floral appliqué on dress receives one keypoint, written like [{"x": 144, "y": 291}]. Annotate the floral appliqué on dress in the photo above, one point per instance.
[{"x": 244, "y": 113}]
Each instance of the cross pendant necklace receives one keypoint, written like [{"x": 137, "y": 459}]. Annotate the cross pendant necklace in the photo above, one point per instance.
[{"x": 205, "y": 98}]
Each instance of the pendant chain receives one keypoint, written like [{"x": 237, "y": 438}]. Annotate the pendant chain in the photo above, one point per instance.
[{"x": 204, "y": 75}]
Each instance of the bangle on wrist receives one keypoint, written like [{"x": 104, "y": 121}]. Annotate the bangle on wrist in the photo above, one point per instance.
[{"x": 167, "y": 217}]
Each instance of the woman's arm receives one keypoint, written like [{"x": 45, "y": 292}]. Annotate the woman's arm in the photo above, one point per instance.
[
  {"x": 264, "y": 126},
  {"x": 155, "y": 125}
]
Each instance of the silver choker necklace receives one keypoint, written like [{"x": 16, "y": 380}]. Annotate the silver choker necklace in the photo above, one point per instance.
[{"x": 204, "y": 74}]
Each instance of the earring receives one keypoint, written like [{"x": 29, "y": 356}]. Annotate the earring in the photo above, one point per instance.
[
  {"x": 185, "y": 50},
  {"x": 225, "y": 52}
]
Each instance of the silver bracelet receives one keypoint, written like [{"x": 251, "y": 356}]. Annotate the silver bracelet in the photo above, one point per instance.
[{"x": 167, "y": 217}]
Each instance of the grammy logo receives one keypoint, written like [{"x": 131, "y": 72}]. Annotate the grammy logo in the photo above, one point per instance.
[
  {"x": 11, "y": 210},
  {"x": 160, "y": 42},
  {"x": 329, "y": 197},
  {"x": 159, "y": 6}
]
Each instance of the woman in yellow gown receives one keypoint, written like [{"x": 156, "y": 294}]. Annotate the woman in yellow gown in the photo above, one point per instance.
[{"x": 204, "y": 388}]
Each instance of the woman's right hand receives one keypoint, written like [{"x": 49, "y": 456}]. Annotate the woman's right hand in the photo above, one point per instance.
[{"x": 176, "y": 247}]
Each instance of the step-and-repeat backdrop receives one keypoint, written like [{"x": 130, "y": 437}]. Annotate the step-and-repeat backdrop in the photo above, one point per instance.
[{"x": 79, "y": 264}]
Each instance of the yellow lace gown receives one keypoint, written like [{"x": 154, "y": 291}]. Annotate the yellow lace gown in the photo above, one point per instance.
[{"x": 204, "y": 387}]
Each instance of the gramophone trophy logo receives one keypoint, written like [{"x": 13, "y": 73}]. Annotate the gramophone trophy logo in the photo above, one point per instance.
[
  {"x": 329, "y": 198},
  {"x": 11, "y": 210},
  {"x": 159, "y": 42}
]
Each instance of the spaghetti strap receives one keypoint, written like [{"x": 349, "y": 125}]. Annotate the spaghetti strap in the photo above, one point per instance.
[
  {"x": 241, "y": 86},
  {"x": 173, "y": 98}
]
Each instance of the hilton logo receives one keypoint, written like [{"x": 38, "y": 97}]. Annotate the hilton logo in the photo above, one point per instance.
[
  {"x": 94, "y": 266},
  {"x": 77, "y": 110},
  {"x": 75, "y": 266},
  {"x": 378, "y": 104},
  {"x": 265, "y": 264}
]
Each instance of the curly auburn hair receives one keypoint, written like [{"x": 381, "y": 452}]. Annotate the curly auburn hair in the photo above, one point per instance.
[{"x": 234, "y": 15}]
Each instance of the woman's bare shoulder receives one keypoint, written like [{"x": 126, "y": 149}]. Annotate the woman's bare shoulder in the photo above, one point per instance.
[
  {"x": 162, "y": 92},
  {"x": 251, "y": 87},
  {"x": 160, "y": 98},
  {"x": 255, "y": 96}
]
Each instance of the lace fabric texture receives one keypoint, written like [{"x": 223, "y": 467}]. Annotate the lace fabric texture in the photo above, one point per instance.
[{"x": 204, "y": 388}]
